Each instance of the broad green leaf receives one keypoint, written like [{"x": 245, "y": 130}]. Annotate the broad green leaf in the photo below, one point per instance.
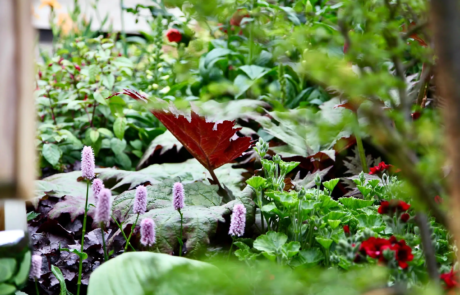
[
  {"x": 108, "y": 81},
  {"x": 290, "y": 249},
  {"x": 353, "y": 203},
  {"x": 93, "y": 70},
  {"x": 328, "y": 203},
  {"x": 256, "y": 182},
  {"x": 330, "y": 185},
  {"x": 58, "y": 274},
  {"x": 254, "y": 72},
  {"x": 117, "y": 145},
  {"x": 309, "y": 257},
  {"x": 271, "y": 242},
  {"x": 24, "y": 268},
  {"x": 139, "y": 273},
  {"x": 71, "y": 138},
  {"x": 105, "y": 132},
  {"x": 326, "y": 243},
  {"x": 123, "y": 160},
  {"x": 7, "y": 289},
  {"x": 7, "y": 268},
  {"x": 32, "y": 215},
  {"x": 94, "y": 135},
  {"x": 52, "y": 153},
  {"x": 123, "y": 62},
  {"x": 334, "y": 223},
  {"x": 98, "y": 97},
  {"x": 119, "y": 127}
]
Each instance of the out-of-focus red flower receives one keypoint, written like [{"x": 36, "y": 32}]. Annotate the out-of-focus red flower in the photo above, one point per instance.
[
  {"x": 345, "y": 47},
  {"x": 449, "y": 279},
  {"x": 380, "y": 168},
  {"x": 438, "y": 200},
  {"x": 346, "y": 229},
  {"x": 403, "y": 253},
  {"x": 416, "y": 115},
  {"x": 174, "y": 35},
  {"x": 237, "y": 18},
  {"x": 39, "y": 74},
  {"x": 50, "y": 64},
  {"x": 405, "y": 217},
  {"x": 414, "y": 35},
  {"x": 392, "y": 206},
  {"x": 77, "y": 67},
  {"x": 374, "y": 247}
]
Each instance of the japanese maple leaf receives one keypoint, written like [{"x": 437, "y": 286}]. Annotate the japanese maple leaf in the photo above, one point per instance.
[{"x": 213, "y": 144}]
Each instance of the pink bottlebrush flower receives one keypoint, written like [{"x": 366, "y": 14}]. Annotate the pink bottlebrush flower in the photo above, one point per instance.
[
  {"x": 147, "y": 232},
  {"x": 87, "y": 163},
  {"x": 140, "y": 201},
  {"x": 97, "y": 186},
  {"x": 104, "y": 207},
  {"x": 36, "y": 267},
  {"x": 238, "y": 221},
  {"x": 178, "y": 196}
]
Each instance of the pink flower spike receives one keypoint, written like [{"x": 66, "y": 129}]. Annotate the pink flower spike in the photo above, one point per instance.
[
  {"x": 87, "y": 163},
  {"x": 238, "y": 221},
  {"x": 147, "y": 232},
  {"x": 36, "y": 267},
  {"x": 104, "y": 207},
  {"x": 97, "y": 186},
  {"x": 178, "y": 196},
  {"x": 140, "y": 201}
]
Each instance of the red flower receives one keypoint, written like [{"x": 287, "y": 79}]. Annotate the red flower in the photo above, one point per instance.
[
  {"x": 379, "y": 168},
  {"x": 450, "y": 279},
  {"x": 237, "y": 18},
  {"x": 373, "y": 247},
  {"x": 438, "y": 200},
  {"x": 174, "y": 35},
  {"x": 405, "y": 217},
  {"x": 392, "y": 206},
  {"x": 77, "y": 67},
  {"x": 346, "y": 229},
  {"x": 403, "y": 253}
]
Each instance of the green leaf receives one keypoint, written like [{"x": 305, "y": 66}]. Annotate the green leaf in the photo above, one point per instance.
[
  {"x": 123, "y": 160},
  {"x": 364, "y": 190},
  {"x": 123, "y": 62},
  {"x": 138, "y": 273},
  {"x": 105, "y": 132},
  {"x": 98, "y": 97},
  {"x": 32, "y": 215},
  {"x": 93, "y": 70},
  {"x": 82, "y": 255},
  {"x": 117, "y": 145},
  {"x": 94, "y": 135},
  {"x": 271, "y": 242},
  {"x": 119, "y": 127},
  {"x": 290, "y": 249},
  {"x": 108, "y": 81},
  {"x": 256, "y": 182},
  {"x": 311, "y": 256},
  {"x": 52, "y": 153},
  {"x": 328, "y": 203},
  {"x": 7, "y": 268},
  {"x": 24, "y": 267},
  {"x": 137, "y": 144},
  {"x": 330, "y": 185},
  {"x": 326, "y": 243},
  {"x": 353, "y": 203},
  {"x": 334, "y": 223},
  {"x": 254, "y": 72},
  {"x": 6, "y": 289},
  {"x": 58, "y": 274}
]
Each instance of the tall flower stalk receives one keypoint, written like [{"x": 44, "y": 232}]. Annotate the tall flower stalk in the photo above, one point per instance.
[
  {"x": 87, "y": 171},
  {"x": 103, "y": 213},
  {"x": 178, "y": 204},
  {"x": 139, "y": 207},
  {"x": 237, "y": 224},
  {"x": 36, "y": 270}
]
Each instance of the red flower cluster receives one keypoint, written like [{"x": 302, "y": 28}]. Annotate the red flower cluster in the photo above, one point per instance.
[
  {"x": 450, "y": 279},
  {"x": 346, "y": 229},
  {"x": 405, "y": 217},
  {"x": 374, "y": 247},
  {"x": 392, "y": 206},
  {"x": 174, "y": 35},
  {"x": 379, "y": 168}
]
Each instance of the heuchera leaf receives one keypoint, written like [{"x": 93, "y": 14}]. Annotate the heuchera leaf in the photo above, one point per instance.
[{"x": 211, "y": 143}]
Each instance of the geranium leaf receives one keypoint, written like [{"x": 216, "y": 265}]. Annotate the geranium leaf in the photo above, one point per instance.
[
  {"x": 271, "y": 242},
  {"x": 353, "y": 203}
]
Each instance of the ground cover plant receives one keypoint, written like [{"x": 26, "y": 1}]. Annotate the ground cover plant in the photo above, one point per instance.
[{"x": 257, "y": 147}]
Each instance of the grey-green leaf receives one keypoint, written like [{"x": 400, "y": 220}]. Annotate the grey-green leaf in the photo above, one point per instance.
[{"x": 52, "y": 153}]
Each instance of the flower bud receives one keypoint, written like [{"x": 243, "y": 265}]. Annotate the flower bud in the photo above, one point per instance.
[
  {"x": 104, "y": 207},
  {"x": 140, "y": 201},
  {"x": 238, "y": 221},
  {"x": 178, "y": 196},
  {"x": 308, "y": 7},
  {"x": 87, "y": 163}
]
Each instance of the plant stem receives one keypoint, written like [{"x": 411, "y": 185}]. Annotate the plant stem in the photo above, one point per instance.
[
  {"x": 180, "y": 239},
  {"x": 231, "y": 247},
  {"x": 123, "y": 33},
  {"x": 106, "y": 257},
  {"x": 131, "y": 233},
  {"x": 123, "y": 233},
  {"x": 83, "y": 237},
  {"x": 94, "y": 113},
  {"x": 36, "y": 287},
  {"x": 359, "y": 143}
]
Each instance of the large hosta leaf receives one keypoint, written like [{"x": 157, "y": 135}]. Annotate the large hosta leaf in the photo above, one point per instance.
[
  {"x": 135, "y": 273},
  {"x": 202, "y": 214}
]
